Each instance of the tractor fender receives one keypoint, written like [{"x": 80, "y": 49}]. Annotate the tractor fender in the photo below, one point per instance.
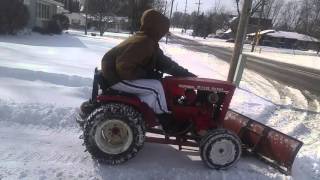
[{"x": 148, "y": 114}]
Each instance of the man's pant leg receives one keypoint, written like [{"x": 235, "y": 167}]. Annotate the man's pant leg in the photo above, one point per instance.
[{"x": 149, "y": 91}]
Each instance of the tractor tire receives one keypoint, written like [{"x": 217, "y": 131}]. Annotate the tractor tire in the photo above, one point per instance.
[
  {"x": 114, "y": 133},
  {"x": 220, "y": 149}
]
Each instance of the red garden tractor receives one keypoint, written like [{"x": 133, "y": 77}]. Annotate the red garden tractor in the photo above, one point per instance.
[{"x": 115, "y": 125}]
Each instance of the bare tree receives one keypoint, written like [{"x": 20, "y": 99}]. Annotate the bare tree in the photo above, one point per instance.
[
  {"x": 256, "y": 6},
  {"x": 217, "y": 18},
  {"x": 159, "y": 5},
  {"x": 272, "y": 9},
  {"x": 103, "y": 11},
  {"x": 289, "y": 16},
  {"x": 315, "y": 26},
  {"x": 218, "y": 7},
  {"x": 305, "y": 17},
  {"x": 308, "y": 21}
]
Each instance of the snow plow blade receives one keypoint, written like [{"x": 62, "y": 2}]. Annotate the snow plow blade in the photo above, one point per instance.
[{"x": 271, "y": 146}]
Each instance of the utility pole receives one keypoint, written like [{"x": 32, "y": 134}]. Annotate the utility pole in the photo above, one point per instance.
[
  {"x": 177, "y": 7},
  {"x": 185, "y": 7},
  {"x": 86, "y": 21},
  {"x": 199, "y": 3},
  {"x": 133, "y": 16},
  {"x": 185, "y": 17},
  {"x": 256, "y": 38},
  {"x": 241, "y": 34},
  {"x": 172, "y": 1}
]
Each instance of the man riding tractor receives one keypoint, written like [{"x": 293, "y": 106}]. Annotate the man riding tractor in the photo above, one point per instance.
[{"x": 136, "y": 65}]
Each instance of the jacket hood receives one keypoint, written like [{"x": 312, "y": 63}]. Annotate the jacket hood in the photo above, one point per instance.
[{"x": 154, "y": 24}]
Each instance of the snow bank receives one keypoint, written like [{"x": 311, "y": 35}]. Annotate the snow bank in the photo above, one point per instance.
[{"x": 308, "y": 61}]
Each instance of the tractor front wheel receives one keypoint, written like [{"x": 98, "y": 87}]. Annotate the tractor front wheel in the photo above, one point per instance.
[{"x": 220, "y": 149}]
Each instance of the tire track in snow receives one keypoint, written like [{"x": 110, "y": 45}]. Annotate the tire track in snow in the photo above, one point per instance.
[
  {"x": 313, "y": 100},
  {"x": 43, "y": 145},
  {"x": 46, "y": 115},
  {"x": 259, "y": 86},
  {"x": 300, "y": 123},
  {"x": 287, "y": 120},
  {"x": 297, "y": 110}
]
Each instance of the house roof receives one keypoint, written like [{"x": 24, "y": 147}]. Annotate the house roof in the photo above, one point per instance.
[
  {"x": 53, "y": 2},
  {"x": 293, "y": 35},
  {"x": 263, "y": 32},
  {"x": 287, "y": 35}
]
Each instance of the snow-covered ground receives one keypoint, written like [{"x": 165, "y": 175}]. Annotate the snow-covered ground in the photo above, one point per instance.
[
  {"x": 308, "y": 59},
  {"x": 43, "y": 79}
]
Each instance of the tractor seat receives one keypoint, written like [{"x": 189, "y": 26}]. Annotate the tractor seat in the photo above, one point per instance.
[{"x": 101, "y": 83}]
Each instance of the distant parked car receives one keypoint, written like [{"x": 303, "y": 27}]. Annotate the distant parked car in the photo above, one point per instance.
[
  {"x": 230, "y": 40},
  {"x": 211, "y": 35}
]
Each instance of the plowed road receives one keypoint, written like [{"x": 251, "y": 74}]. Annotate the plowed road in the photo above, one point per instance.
[{"x": 298, "y": 77}]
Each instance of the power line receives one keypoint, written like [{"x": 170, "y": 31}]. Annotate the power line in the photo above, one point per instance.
[{"x": 172, "y": 1}]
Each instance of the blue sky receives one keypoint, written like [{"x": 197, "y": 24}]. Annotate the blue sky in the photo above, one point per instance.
[{"x": 205, "y": 6}]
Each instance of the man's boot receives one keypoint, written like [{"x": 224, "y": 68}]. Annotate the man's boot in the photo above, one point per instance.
[{"x": 172, "y": 127}]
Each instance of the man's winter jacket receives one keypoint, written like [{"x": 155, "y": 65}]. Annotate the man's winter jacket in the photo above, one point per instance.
[{"x": 139, "y": 56}]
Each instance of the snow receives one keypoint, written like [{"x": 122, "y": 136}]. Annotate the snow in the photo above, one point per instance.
[
  {"x": 228, "y": 31},
  {"x": 43, "y": 80},
  {"x": 106, "y": 34},
  {"x": 308, "y": 61}
]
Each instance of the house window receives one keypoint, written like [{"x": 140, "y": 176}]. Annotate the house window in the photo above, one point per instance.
[
  {"x": 43, "y": 11},
  {"x": 38, "y": 10},
  {"x": 46, "y": 12},
  {"x": 26, "y": 2}
]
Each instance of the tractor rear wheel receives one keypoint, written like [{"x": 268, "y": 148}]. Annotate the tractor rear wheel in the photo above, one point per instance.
[
  {"x": 114, "y": 133},
  {"x": 220, "y": 149}
]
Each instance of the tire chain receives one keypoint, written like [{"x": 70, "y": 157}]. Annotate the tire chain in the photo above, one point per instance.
[{"x": 113, "y": 109}]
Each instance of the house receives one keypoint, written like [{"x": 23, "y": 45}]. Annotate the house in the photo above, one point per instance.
[
  {"x": 284, "y": 39},
  {"x": 254, "y": 24},
  {"x": 41, "y": 11},
  {"x": 228, "y": 34},
  {"x": 77, "y": 19},
  {"x": 118, "y": 24},
  {"x": 112, "y": 23}
]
